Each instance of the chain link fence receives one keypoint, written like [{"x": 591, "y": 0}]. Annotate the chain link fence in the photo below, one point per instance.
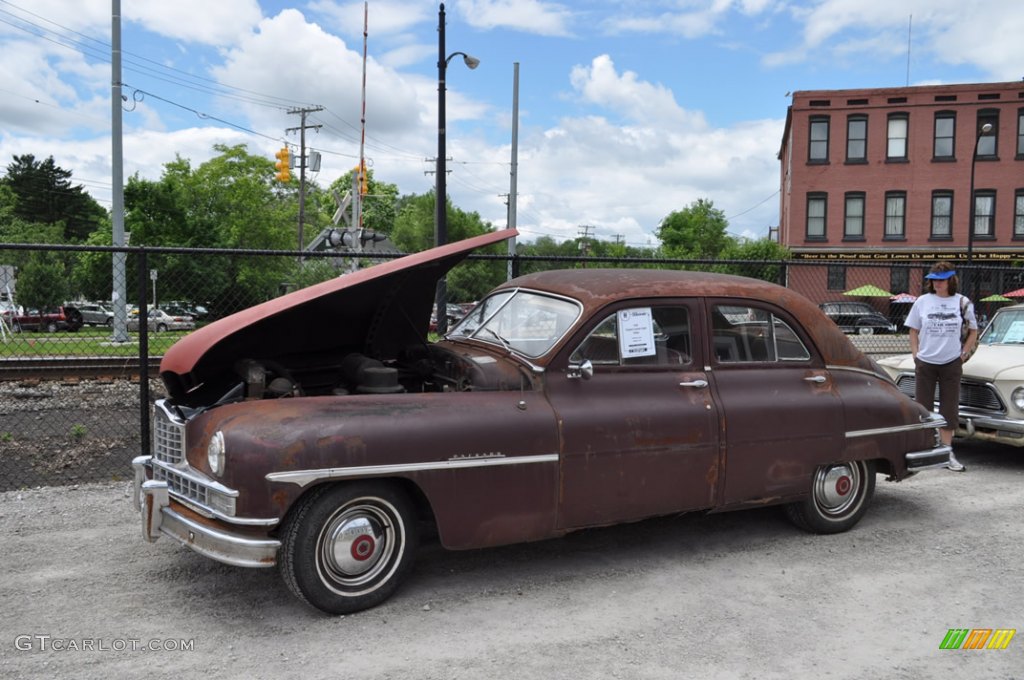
[{"x": 77, "y": 324}]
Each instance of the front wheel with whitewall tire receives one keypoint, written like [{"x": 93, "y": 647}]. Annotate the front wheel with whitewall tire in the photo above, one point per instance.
[
  {"x": 348, "y": 547},
  {"x": 840, "y": 495}
]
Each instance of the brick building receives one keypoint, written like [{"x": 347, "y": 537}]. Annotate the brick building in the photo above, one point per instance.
[{"x": 884, "y": 175}]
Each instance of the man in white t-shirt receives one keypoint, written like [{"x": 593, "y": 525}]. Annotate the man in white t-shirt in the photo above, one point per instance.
[{"x": 934, "y": 322}]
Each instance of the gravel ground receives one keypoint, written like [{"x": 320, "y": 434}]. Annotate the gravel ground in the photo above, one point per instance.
[
  {"x": 53, "y": 433},
  {"x": 737, "y": 595}
]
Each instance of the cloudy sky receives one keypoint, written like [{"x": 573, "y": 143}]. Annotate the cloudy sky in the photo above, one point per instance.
[{"x": 628, "y": 109}]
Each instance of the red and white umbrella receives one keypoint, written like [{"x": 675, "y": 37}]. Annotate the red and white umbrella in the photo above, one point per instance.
[
  {"x": 1015, "y": 293},
  {"x": 905, "y": 298}
]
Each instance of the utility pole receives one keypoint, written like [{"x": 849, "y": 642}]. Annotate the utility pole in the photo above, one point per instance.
[
  {"x": 302, "y": 163},
  {"x": 584, "y": 234}
]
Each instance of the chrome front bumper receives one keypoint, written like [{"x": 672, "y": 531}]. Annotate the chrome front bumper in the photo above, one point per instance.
[
  {"x": 152, "y": 501},
  {"x": 930, "y": 459},
  {"x": 991, "y": 428}
]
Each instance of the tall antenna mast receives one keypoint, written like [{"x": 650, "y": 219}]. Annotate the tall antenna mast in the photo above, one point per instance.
[{"x": 362, "y": 134}]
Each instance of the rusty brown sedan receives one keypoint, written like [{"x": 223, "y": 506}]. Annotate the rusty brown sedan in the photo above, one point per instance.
[{"x": 564, "y": 400}]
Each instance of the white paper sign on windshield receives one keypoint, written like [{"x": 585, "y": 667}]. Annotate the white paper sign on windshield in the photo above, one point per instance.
[{"x": 636, "y": 333}]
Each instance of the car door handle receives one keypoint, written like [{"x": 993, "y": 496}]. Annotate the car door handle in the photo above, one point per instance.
[
  {"x": 816, "y": 379},
  {"x": 694, "y": 383}
]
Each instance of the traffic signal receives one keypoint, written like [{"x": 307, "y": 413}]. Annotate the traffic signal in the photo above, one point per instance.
[{"x": 283, "y": 165}]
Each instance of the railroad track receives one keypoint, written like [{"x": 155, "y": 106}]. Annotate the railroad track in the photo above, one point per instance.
[{"x": 56, "y": 368}]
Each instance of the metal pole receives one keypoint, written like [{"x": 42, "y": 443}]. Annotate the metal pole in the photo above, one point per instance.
[
  {"x": 515, "y": 166},
  {"x": 972, "y": 215},
  {"x": 441, "y": 191},
  {"x": 119, "y": 294}
]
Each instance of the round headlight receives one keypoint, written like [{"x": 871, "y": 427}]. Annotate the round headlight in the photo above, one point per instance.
[
  {"x": 1018, "y": 398},
  {"x": 215, "y": 453}
]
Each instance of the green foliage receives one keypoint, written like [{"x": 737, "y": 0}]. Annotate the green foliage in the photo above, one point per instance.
[
  {"x": 78, "y": 432},
  {"x": 414, "y": 232},
  {"x": 42, "y": 281},
  {"x": 43, "y": 195},
  {"x": 695, "y": 232},
  {"x": 230, "y": 201},
  {"x": 763, "y": 257},
  {"x": 380, "y": 203}
]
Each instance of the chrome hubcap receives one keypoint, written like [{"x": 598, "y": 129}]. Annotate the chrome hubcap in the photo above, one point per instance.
[
  {"x": 356, "y": 544},
  {"x": 836, "y": 488}
]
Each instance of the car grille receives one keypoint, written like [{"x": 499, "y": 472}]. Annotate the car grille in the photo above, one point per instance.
[
  {"x": 168, "y": 437},
  {"x": 972, "y": 394},
  {"x": 182, "y": 485}
]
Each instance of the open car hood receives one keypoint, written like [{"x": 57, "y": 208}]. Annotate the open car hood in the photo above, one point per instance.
[{"x": 376, "y": 311}]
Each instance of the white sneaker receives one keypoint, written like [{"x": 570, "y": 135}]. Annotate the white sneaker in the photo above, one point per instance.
[{"x": 955, "y": 465}]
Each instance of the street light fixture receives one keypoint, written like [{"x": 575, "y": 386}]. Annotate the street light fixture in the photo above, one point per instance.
[
  {"x": 984, "y": 130},
  {"x": 441, "y": 191}
]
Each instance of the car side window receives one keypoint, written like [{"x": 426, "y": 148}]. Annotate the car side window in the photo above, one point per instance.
[
  {"x": 640, "y": 336},
  {"x": 750, "y": 334}
]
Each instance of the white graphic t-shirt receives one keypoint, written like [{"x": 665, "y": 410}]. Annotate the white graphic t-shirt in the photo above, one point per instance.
[{"x": 938, "y": 320}]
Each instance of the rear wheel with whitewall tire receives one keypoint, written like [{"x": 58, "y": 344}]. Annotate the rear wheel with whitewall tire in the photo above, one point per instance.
[{"x": 840, "y": 495}]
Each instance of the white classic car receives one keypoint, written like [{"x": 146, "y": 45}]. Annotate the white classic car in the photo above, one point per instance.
[{"x": 992, "y": 387}]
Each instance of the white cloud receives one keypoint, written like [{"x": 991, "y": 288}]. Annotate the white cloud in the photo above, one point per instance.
[
  {"x": 689, "y": 20},
  {"x": 223, "y": 21},
  {"x": 948, "y": 31},
  {"x": 384, "y": 17},
  {"x": 528, "y": 16}
]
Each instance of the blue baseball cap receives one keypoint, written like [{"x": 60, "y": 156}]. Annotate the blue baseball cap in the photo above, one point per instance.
[{"x": 941, "y": 276}]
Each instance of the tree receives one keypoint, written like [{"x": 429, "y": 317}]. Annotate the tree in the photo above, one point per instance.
[
  {"x": 44, "y": 195},
  {"x": 230, "y": 201},
  {"x": 763, "y": 256},
  {"x": 695, "y": 232},
  {"x": 414, "y": 232},
  {"x": 380, "y": 203},
  {"x": 42, "y": 281}
]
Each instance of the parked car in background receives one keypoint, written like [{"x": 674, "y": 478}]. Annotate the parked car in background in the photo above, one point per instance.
[
  {"x": 63, "y": 318},
  {"x": 857, "y": 317},
  {"x": 566, "y": 399},
  {"x": 160, "y": 321},
  {"x": 992, "y": 386},
  {"x": 95, "y": 314}
]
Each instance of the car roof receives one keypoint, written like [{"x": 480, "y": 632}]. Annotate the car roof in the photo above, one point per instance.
[{"x": 596, "y": 288}]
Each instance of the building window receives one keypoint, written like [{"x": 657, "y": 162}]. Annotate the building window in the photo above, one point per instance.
[
  {"x": 857, "y": 139},
  {"x": 895, "y": 215},
  {"x": 945, "y": 135},
  {"x": 899, "y": 124},
  {"x": 985, "y": 214},
  {"x": 989, "y": 143},
  {"x": 1020, "y": 134},
  {"x": 817, "y": 149},
  {"x": 899, "y": 280},
  {"x": 942, "y": 214},
  {"x": 853, "y": 225},
  {"x": 1018, "y": 215},
  {"x": 837, "y": 277},
  {"x": 817, "y": 210}
]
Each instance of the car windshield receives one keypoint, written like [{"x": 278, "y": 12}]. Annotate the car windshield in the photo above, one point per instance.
[
  {"x": 1006, "y": 328},
  {"x": 521, "y": 321}
]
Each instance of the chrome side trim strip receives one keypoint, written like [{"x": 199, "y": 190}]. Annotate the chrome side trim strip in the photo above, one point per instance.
[
  {"x": 852, "y": 369},
  {"x": 934, "y": 421},
  {"x": 305, "y": 477}
]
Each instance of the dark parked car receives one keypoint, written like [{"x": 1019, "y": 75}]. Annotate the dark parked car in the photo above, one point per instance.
[
  {"x": 857, "y": 317},
  {"x": 62, "y": 318},
  {"x": 564, "y": 400}
]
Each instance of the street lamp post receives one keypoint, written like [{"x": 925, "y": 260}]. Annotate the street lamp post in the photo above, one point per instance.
[
  {"x": 985, "y": 129},
  {"x": 441, "y": 191}
]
